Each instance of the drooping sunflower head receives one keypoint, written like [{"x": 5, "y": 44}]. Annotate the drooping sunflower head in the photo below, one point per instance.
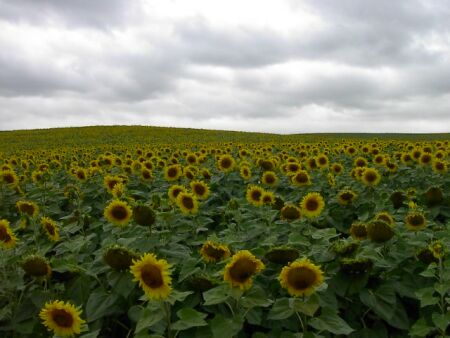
[
  {"x": 282, "y": 255},
  {"x": 346, "y": 197},
  {"x": 153, "y": 276},
  {"x": 356, "y": 266},
  {"x": 201, "y": 283},
  {"x": 174, "y": 191},
  {"x": 213, "y": 252},
  {"x": 7, "y": 238},
  {"x": 379, "y": 231},
  {"x": 371, "y": 177},
  {"x": 240, "y": 270},
  {"x": 398, "y": 198},
  {"x": 226, "y": 163},
  {"x": 254, "y": 195},
  {"x": 269, "y": 178},
  {"x": 28, "y": 208},
  {"x": 386, "y": 217},
  {"x": 434, "y": 196},
  {"x": 312, "y": 205},
  {"x": 187, "y": 203},
  {"x": 118, "y": 213},
  {"x": 119, "y": 257},
  {"x": 301, "y": 178},
  {"x": 50, "y": 228},
  {"x": 200, "y": 189},
  {"x": 62, "y": 318},
  {"x": 425, "y": 255},
  {"x": 301, "y": 278},
  {"x": 144, "y": 215},
  {"x": 36, "y": 266},
  {"x": 358, "y": 231},
  {"x": 290, "y": 212},
  {"x": 415, "y": 221}
]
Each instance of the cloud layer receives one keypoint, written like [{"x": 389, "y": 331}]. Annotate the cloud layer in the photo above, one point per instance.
[{"x": 277, "y": 66}]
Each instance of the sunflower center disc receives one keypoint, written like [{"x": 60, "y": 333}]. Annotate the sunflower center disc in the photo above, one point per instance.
[
  {"x": 119, "y": 212},
  {"x": 301, "y": 278},
  {"x": 242, "y": 270},
  {"x": 62, "y": 318},
  {"x": 312, "y": 205},
  {"x": 151, "y": 275},
  {"x": 188, "y": 203}
]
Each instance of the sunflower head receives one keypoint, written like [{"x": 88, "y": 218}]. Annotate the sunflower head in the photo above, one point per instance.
[
  {"x": 226, "y": 163},
  {"x": 439, "y": 166},
  {"x": 245, "y": 172},
  {"x": 312, "y": 205},
  {"x": 282, "y": 255},
  {"x": 8, "y": 177},
  {"x": 28, "y": 208},
  {"x": 50, "y": 228},
  {"x": 398, "y": 198},
  {"x": 415, "y": 221},
  {"x": 301, "y": 278},
  {"x": 268, "y": 198},
  {"x": 144, "y": 215},
  {"x": 240, "y": 270},
  {"x": 200, "y": 189},
  {"x": 110, "y": 181},
  {"x": 119, "y": 257},
  {"x": 345, "y": 248},
  {"x": 301, "y": 178},
  {"x": 356, "y": 266},
  {"x": 153, "y": 276},
  {"x": 386, "y": 217},
  {"x": 7, "y": 238},
  {"x": 172, "y": 172},
  {"x": 36, "y": 266},
  {"x": 62, "y": 318},
  {"x": 213, "y": 252},
  {"x": 438, "y": 249},
  {"x": 254, "y": 195},
  {"x": 174, "y": 191},
  {"x": 379, "y": 231},
  {"x": 290, "y": 212},
  {"x": 434, "y": 196},
  {"x": 425, "y": 255},
  {"x": 201, "y": 283},
  {"x": 371, "y": 177},
  {"x": 346, "y": 197},
  {"x": 358, "y": 231},
  {"x": 187, "y": 203},
  {"x": 118, "y": 213},
  {"x": 269, "y": 178}
]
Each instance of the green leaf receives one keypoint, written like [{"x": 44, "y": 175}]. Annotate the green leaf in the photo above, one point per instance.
[
  {"x": 308, "y": 307},
  {"x": 223, "y": 327},
  {"x": 255, "y": 297},
  {"x": 189, "y": 318},
  {"x": 281, "y": 310},
  {"x": 420, "y": 328},
  {"x": 93, "y": 334},
  {"x": 121, "y": 283},
  {"x": 331, "y": 322},
  {"x": 441, "y": 320},
  {"x": 178, "y": 296},
  {"x": 100, "y": 304},
  {"x": 216, "y": 295},
  {"x": 426, "y": 297},
  {"x": 151, "y": 315}
]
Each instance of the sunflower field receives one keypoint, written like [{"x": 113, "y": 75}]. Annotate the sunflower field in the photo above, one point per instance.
[{"x": 159, "y": 232}]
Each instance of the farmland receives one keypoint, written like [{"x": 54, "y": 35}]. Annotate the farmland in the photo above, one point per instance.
[{"x": 164, "y": 232}]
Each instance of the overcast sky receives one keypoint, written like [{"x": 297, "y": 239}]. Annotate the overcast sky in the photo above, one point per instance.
[{"x": 257, "y": 65}]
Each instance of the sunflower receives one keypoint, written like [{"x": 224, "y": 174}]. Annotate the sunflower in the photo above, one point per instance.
[
  {"x": 119, "y": 257},
  {"x": 379, "y": 231},
  {"x": 213, "y": 252},
  {"x": 9, "y": 177},
  {"x": 301, "y": 278},
  {"x": 397, "y": 198},
  {"x": 240, "y": 270},
  {"x": 437, "y": 248},
  {"x": 110, "y": 181},
  {"x": 81, "y": 174},
  {"x": 337, "y": 168},
  {"x": 37, "y": 176},
  {"x": 312, "y": 205},
  {"x": 322, "y": 161},
  {"x": 118, "y": 191},
  {"x": 254, "y": 195},
  {"x": 360, "y": 162},
  {"x": 62, "y": 318},
  {"x": 282, "y": 255},
  {"x": 51, "y": 228},
  {"x": 439, "y": 166},
  {"x": 269, "y": 178},
  {"x": 153, "y": 276},
  {"x": 386, "y": 217},
  {"x": 144, "y": 215},
  {"x": 188, "y": 203},
  {"x": 172, "y": 172},
  {"x": 346, "y": 197},
  {"x": 245, "y": 172},
  {"x": 268, "y": 198},
  {"x": 36, "y": 266},
  {"x": 425, "y": 159},
  {"x": 371, "y": 177},
  {"x": 146, "y": 175},
  {"x": 226, "y": 163},
  {"x": 290, "y": 212},
  {"x": 301, "y": 178},
  {"x": 27, "y": 207},
  {"x": 356, "y": 266},
  {"x": 358, "y": 231},
  {"x": 174, "y": 191},
  {"x": 415, "y": 221},
  {"x": 118, "y": 212},
  {"x": 200, "y": 189},
  {"x": 7, "y": 238}
]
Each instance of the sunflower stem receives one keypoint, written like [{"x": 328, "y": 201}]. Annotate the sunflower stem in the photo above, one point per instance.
[{"x": 167, "y": 312}]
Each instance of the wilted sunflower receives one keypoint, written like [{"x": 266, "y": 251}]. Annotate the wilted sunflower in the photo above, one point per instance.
[
  {"x": 200, "y": 189},
  {"x": 415, "y": 221},
  {"x": 118, "y": 212},
  {"x": 153, "y": 276},
  {"x": 386, "y": 217},
  {"x": 346, "y": 197},
  {"x": 254, "y": 195},
  {"x": 269, "y": 178},
  {"x": 51, "y": 228},
  {"x": 290, "y": 212},
  {"x": 213, "y": 252},
  {"x": 371, "y": 177},
  {"x": 174, "y": 191},
  {"x": 358, "y": 231},
  {"x": 187, "y": 203},
  {"x": 312, "y": 205},
  {"x": 7, "y": 238},
  {"x": 226, "y": 163},
  {"x": 301, "y": 178},
  {"x": 27, "y": 207},
  {"x": 301, "y": 278},
  {"x": 36, "y": 266},
  {"x": 240, "y": 270},
  {"x": 61, "y": 318}
]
